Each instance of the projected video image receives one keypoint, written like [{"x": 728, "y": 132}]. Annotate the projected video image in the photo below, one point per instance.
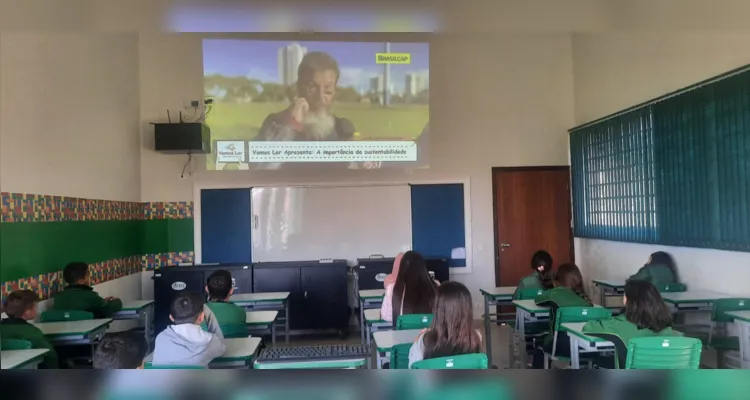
[{"x": 281, "y": 104}]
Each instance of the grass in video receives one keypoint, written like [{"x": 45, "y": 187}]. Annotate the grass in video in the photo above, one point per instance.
[{"x": 363, "y": 91}]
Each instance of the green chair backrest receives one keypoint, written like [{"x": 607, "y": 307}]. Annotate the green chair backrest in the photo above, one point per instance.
[
  {"x": 400, "y": 356},
  {"x": 671, "y": 287},
  {"x": 66, "y": 315},
  {"x": 413, "y": 321},
  {"x": 149, "y": 365},
  {"x": 720, "y": 307},
  {"x": 663, "y": 352},
  {"x": 15, "y": 344},
  {"x": 529, "y": 294},
  {"x": 580, "y": 314},
  {"x": 464, "y": 361},
  {"x": 234, "y": 331}
]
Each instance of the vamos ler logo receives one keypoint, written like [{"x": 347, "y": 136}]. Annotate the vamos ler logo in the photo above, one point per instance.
[{"x": 230, "y": 152}]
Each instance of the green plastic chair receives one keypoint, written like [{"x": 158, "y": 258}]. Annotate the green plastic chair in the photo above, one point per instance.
[
  {"x": 720, "y": 318},
  {"x": 234, "y": 331},
  {"x": 15, "y": 344},
  {"x": 573, "y": 314},
  {"x": 149, "y": 365},
  {"x": 663, "y": 352},
  {"x": 464, "y": 361},
  {"x": 66, "y": 315},
  {"x": 400, "y": 356},
  {"x": 671, "y": 287},
  {"x": 413, "y": 321},
  {"x": 529, "y": 294}
]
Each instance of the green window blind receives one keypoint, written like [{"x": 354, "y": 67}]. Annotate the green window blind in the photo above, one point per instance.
[
  {"x": 674, "y": 171},
  {"x": 613, "y": 178}
]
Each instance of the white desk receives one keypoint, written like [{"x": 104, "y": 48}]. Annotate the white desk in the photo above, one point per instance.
[
  {"x": 528, "y": 311},
  {"x": 742, "y": 319},
  {"x": 239, "y": 354},
  {"x": 368, "y": 299},
  {"x": 582, "y": 343},
  {"x": 375, "y": 323},
  {"x": 265, "y": 320},
  {"x": 22, "y": 359},
  {"x": 273, "y": 301},
  {"x": 498, "y": 296},
  {"x": 140, "y": 310},
  {"x": 692, "y": 301},
  {"x": 609, "y": 288},
  {"x": 386, "y": 340},
  {"x": 74, "y": 332}
]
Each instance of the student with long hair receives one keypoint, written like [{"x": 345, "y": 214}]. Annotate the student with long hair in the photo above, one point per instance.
[
  {"x": 567, "y": 292},
  {"x": 413, "y": 292},
  {"x": 645, "y": 314},
  {"x": 660, "y": 269},
  {"x": 452, "y": 332},
  {"x": 541, "y": 276}
]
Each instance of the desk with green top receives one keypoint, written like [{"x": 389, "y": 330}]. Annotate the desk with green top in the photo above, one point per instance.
[
  {"x": 742, "y": 319},
  {"x": 692, "y": 301},
  {"x": 368, "y": 299},
  {"x": 498, "y": 296},
  {"x": 528, "y": 311},
  {"x": 141, "y": 310},
  {"x": 609, "y": 288},
  {"x": 375, "y": 323},
  {"x": 386, "y": 340},
  {"x": 21, "y": 359},
  {"x": 582, "y": 343},
  {"x": 74, "y": 332},
  {"x": 239, "y": 354},
  {"x": 273, "y": 301},
  {"x": 262, "y": 320}
]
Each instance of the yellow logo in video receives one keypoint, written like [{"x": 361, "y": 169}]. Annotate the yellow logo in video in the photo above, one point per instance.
[{"x": 393, "y": 58}]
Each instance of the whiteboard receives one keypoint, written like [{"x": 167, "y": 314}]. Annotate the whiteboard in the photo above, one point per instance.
[{"x": 346, "y": 222}]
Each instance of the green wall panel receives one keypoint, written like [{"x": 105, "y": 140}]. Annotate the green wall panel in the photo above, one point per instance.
[{"x": 32, "y": 248}]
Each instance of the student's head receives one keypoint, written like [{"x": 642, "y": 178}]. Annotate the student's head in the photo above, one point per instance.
[
  {"x": 219, "y": 285},
  {"x": 663, "y": 258},
  {"x": 21, "y": 304},
  {"x": 541, "y": 263},
  {"x": 414, "y": 287},
  {"x": 569, "y": 276},
  {"x": 76, "y": 273},
  {"x": 187, "y": 308},
  {"x": 452, "y": 332},
  {"x": 645, "y": 307},
  {"x": 124, "y": 350}
]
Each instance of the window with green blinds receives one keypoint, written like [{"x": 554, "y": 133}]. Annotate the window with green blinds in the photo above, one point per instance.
[{"x": 675, "y": 171}]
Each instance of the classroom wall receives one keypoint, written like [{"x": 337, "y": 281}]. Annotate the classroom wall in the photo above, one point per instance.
[
  {"x": 497, "y": 100},
  {"x": 615, "y": 71}
]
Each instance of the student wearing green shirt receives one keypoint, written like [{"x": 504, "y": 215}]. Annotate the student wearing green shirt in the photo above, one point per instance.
[
  {"x": 659, "y": 270},
  {"x": 568, "y": 292},
  {"x": 645, "y": 314},
  {"x": 219, "y": 287},
  {"x": 80, "y": 296},
  {"x": 541, "y": 275},
  {"x": 20, "y": 306}
]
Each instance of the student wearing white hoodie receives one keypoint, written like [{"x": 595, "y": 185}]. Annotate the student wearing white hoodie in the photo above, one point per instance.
[{"x": 185, "y": 342}]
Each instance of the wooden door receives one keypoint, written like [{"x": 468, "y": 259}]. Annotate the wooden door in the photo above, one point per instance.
[{"x": 532, "y": 212}]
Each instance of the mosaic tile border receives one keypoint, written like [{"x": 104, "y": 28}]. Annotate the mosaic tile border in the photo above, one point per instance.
[
  {"x": 46, "y": 285},
  {"x": 23, "y": 207},
  {"x": 149, "y": 262}
]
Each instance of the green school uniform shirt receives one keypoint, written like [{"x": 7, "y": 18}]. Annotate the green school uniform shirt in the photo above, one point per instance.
[
  {"x": 17, "y": 328},
  {"x": 530, "y": 281},
  {"x": 625, "y": 329},
  {"x": 84, "y": 298},
  {"x": 563, "y": 297},
  {"x": 227, "y": 313},
  {"x": 657, "y": 274}
]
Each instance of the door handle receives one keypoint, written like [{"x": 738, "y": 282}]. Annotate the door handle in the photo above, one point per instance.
[{"x": 504, "y": 244}]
